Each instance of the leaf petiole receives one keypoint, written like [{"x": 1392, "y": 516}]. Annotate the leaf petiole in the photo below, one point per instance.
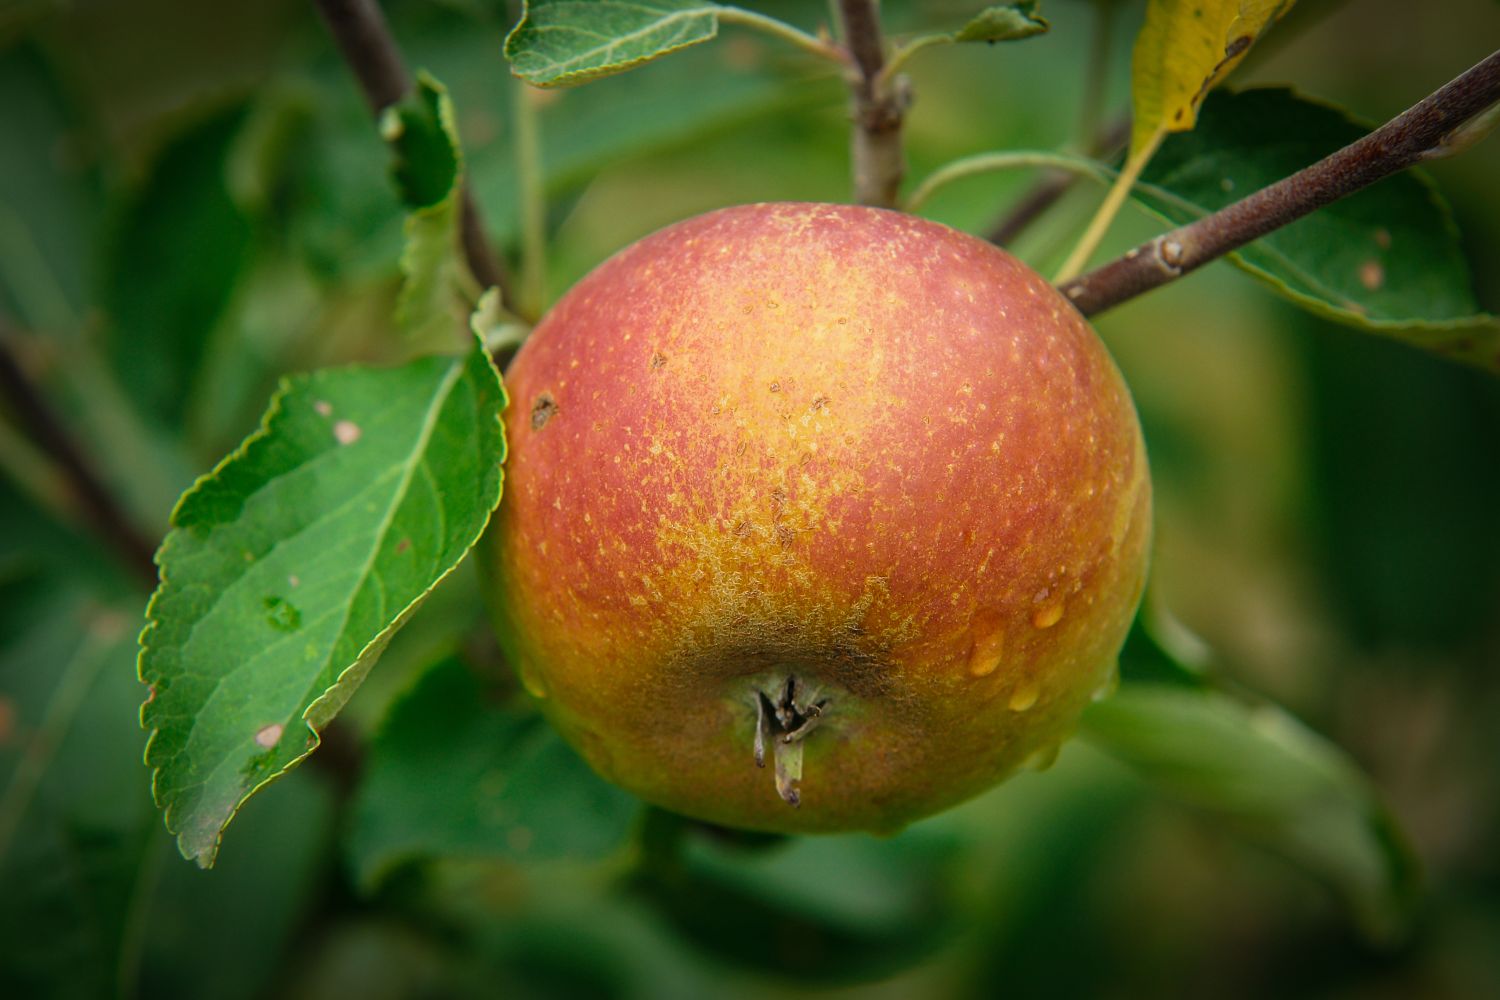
[
  {"x": 786, "y": 32},
  {"x": 1099, "y": 224},
  {"x": 984, "y": 163}
]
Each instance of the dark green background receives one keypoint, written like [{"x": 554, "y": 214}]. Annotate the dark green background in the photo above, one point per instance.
[{"x": 193, "y": 201}]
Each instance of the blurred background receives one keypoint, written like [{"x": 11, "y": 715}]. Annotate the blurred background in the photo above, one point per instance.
[{"x": 193, "y": 201}]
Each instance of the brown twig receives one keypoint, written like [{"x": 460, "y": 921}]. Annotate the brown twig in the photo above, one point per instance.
[
  {"x": 1428, "y": 130},
  {"x": 878, "y": 106},
  {"x": 365, "y": 41},
  {"x": 42, "y": 423}
]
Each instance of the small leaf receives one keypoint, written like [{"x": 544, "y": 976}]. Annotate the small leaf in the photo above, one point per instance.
[
  {"x": 422, "y": 135},
  {"x": 427, "y": 170},
  {"x": 559, "y": 42},
  {"x": 1003, "y": 23},
  {"x": 1274, "y": 780},
  {"x": 290, "y": 566},
  {"x": 453, "y": 773},
  {"x": 1385, "y": 259}
]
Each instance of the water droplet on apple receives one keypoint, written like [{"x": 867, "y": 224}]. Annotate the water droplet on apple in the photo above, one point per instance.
[
  {"x": 1025, "y": 696},
  {"x": 987, "y": 651},
  {"x": 597, "y": 752},
  {"x": 1043, "y": 757},
  {"x": 531, "y": 680},
  {"x": 1109, "y": 685},
  {"x": 1047, "y": 615}
]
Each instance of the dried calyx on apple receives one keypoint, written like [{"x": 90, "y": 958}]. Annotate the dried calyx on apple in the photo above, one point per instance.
[{"x": 833, "y": 486}]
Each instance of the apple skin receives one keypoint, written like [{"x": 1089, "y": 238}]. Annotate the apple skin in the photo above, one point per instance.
[{"x": 838, "y": 442}]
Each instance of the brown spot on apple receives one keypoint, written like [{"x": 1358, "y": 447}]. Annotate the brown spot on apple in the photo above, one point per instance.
[{"x": 543, "y": 408}]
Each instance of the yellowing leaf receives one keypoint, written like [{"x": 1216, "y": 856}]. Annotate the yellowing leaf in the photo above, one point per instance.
[{"x": 1185, "y": 48}]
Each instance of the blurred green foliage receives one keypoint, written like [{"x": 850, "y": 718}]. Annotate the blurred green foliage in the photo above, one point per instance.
[{"x": 194, "y": 201}]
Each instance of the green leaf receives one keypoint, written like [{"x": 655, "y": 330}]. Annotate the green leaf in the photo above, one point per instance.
[
  {"x": 1003, "y": 23},
  {"x": 559, "y": 42},
  {"x": 1386, "y": 259},
  {"x": 428, "y": 308},
  {"x": 424, "y": 140},
  {"x": 1275, "y": 781},
  {"x": 290, "y": 566},
  {"x": 455, "y": 773},
  {"x": 427, "y": 170}
]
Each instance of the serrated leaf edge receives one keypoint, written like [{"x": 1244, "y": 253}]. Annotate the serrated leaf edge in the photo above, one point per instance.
[
  {"x": 1034, "y": 23},
  {"x": 367, "y": 654},
  {"x": 585, "y": 75}
]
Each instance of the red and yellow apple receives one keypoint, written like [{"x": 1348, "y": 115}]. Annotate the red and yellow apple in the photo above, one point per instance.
[{"x": 831, "y": 490}]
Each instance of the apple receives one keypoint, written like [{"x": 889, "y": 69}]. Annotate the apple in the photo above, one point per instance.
[{"x": 817, "y": 517}]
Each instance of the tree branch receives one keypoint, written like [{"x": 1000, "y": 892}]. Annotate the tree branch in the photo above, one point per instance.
[
  {"x": 365, "y": 41},
  {"x": 1430, "y": 129},
  {"x": 878, "y": 107},
  {"x": 38, "y": 419}
]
